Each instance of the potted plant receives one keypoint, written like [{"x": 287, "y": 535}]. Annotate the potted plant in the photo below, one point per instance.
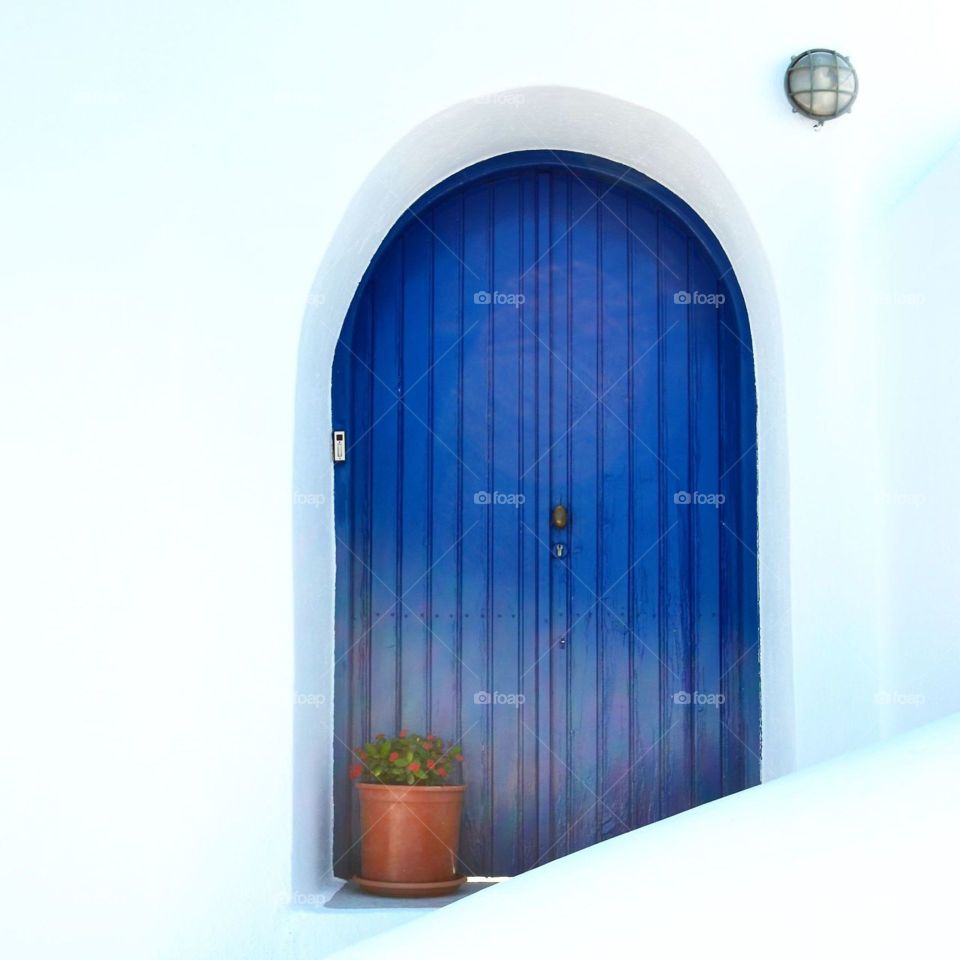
[{"x": 409, "y": 815}]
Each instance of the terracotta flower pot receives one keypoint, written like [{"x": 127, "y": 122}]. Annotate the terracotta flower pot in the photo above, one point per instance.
[{"x": 410, "y": 837}]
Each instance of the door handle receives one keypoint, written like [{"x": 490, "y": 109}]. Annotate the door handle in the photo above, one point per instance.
[{"x": 559, "y": 517}]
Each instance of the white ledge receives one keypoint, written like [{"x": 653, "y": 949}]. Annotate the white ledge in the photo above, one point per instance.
[{"x": 852, "y": 857}]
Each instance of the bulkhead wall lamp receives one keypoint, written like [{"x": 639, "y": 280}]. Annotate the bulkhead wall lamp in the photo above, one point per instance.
[{"x": 821, "y": 84}]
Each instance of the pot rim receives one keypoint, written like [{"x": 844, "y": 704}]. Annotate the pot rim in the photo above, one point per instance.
[{"x": 413, "y": 788}]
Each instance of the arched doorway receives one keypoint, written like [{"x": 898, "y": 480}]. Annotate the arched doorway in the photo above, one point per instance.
[{"x": 549, "y": 329}]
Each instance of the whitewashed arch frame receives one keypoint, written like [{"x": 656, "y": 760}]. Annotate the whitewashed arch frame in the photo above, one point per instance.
[{"x": 529, "y": 118}]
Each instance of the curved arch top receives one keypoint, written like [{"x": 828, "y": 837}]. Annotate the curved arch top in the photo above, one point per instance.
[{"x": 614, "y": 174}]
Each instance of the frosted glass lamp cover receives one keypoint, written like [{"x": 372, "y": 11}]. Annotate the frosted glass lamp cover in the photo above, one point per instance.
[{"x": 821, "y": 84}]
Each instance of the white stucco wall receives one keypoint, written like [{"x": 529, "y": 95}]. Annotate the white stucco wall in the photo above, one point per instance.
[
  {"x": 919, "y": 417},
  {"x": 173, "y": 178}
]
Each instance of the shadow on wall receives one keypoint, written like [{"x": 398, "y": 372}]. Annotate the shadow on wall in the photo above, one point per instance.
[
  {"x": 919, "y": 342},
  {"x": 524, "y": 119}
]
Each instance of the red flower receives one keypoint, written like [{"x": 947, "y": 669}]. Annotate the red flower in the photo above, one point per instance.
[
  {"x": 441, "y": 771},
  {"x": 459, "y": 758},
  {"x": 403, "y": 733},
  {"x": 355, "y": 771},
  {"x": 414, "y": 767},
  {"x": 431, "y": 764},
  {"x": 363, "y": 754},
  {"x": 393, "y": 756}
]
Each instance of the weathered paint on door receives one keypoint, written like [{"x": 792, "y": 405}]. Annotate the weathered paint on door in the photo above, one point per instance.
[{"x": 549, "y": 329}]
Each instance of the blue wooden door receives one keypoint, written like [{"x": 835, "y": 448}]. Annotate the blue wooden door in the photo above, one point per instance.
[{"x": 549, "y": 329}]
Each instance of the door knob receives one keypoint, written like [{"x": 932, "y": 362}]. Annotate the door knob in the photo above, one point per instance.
[{"x": 559, "y": 516}]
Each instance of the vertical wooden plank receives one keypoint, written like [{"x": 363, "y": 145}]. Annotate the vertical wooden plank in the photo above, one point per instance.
[
  {"x": 538, "y": 472},
  {"x": 614, "y": 641},
  {"x": 583, "y": 563},
  {"x": 385, "y": 521},
  {"x": 558, "y": 732},
  {"x": 647, "y": 499},
  {"x": 417, "y": 439},
  {"x": 705, "y": 514},
  {"x": 477, "y": 559},
  {"x": 506, "y": 514},
  {"x": 353, "y": 481},
  {"x": 676, "y": 679},
  {"x": 732, "y": 558},
  {"x": 446, "y": 470},
  {"x": 531, "y": 551}
]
